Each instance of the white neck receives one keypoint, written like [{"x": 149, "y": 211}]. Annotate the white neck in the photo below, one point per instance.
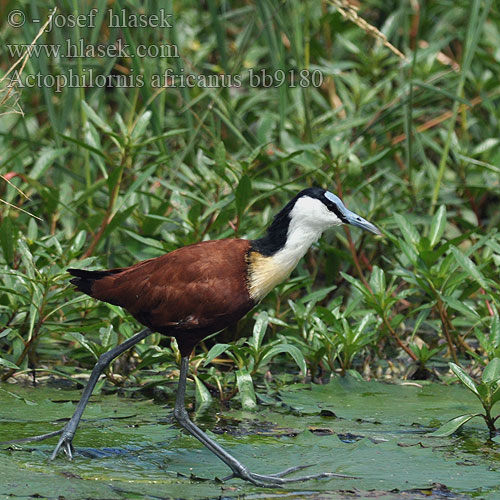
[
  {"x": 267, "y": 272},
  {"x": 308, "y": 219},
  {"x": 300, "y": 238}
]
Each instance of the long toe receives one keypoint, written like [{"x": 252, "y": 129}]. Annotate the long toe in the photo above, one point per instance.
[
  {"x": 290, "y": 470},
  {"x": 69, "y": 449},
  {"x": 65, "y": 444},
  {"x": 283, "y": 473},
  {"x": 278, "y": 480}
]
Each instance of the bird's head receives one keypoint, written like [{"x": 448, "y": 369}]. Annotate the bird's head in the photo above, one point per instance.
[
  {"x": 299, "y": 224},
  {"x": 321, "y": 209},
  {"x": 302, "y": 221}
]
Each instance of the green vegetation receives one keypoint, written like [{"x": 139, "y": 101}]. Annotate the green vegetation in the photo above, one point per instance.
[
  {"x": 488, "y": 392},
  {"x": 126, "y": 450},
  {"x": 103, "y": 177}
]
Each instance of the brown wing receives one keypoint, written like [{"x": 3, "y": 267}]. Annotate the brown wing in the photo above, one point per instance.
[{"x": 188, "y": 293}]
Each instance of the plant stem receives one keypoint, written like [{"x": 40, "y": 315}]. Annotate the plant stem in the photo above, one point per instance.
[
  {"x": 108, "y": 217},
  {"x": 446, "y": 323}
]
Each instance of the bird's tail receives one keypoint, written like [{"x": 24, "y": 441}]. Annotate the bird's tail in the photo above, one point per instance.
[{"x": 84, "y": 280}]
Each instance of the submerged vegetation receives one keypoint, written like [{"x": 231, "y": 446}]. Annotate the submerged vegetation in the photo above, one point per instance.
[{"x": 103, "y": 176}]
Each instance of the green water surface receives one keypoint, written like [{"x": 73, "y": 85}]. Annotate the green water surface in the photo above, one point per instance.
[{"x": 132, "y": 448}]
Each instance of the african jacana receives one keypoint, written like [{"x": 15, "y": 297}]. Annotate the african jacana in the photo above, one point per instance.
[{"x": 200, "y": 289}]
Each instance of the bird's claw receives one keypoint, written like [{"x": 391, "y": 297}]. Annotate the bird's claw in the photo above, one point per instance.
[
  {"x": 65, "y": 444},
  {"x": 65, "y": 441},
  {"x": 276, "y": 480}
]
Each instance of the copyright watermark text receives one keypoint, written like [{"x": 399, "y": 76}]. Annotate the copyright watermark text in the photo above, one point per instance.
[
  {"x": 116, "y": 19},
  {"x": 72, "y": 48}
]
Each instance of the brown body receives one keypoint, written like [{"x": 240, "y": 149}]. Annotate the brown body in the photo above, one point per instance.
[
  {"x": 188, "y": 294},
  {"x": 200, "y": 289}
]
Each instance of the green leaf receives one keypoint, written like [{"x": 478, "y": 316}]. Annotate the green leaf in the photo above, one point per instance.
[
  {"x": 259, "y": 330},
  {"x": 220, "y": 155},
  {"x": 107, "y": 336},
  {"x": 27, "y": 258},
  {"x": 8, "y": 233},
  {"x": 242, "y": 194},
  {"x": 118, "y": 219},
  {"x": 495, "y": 397},
  {"x": 83, "y": 341},
  {"x": 357, "y": 284},
  {"x": 247, "y": 393},
  {"x": 492, "y": 371},
  {"x": 85, "y": 146},
  {"x": 5, "y": 332},
  {"x": 202, "y": 394},
  {"x": 78, "y": 242},
  {"x": 149, "y": 242},
  {"x": 220, "y": 161},
  {"x": 216, "y": 351},
  {"x": 141, "y": 124},
  {"x": 159, "y": 137},
  {"x": 484, "y": 341},
  {"x": 8, "y": 364},
  {"x": 45, "y": 160},
  {"x": 495, "y": 330},
  {"x": 317, "y": 295},
  {"x": 461, "y": 307},
  {"x": 295, "y": 352},
  {"x": 95, "y": 118},
  {"x": 487, "y": 144},
  {"x": 469, "y": 266},
  {"x": 422, "y": 316},
  {"x": 464, "y": 378},
  {"x": 377, "y": 281},
  {"x": 408, "y": 230},
  {"x": 453, "y": 425},
  {"x": 437, "y": 226},
  {"x": 484, "y": 392}
]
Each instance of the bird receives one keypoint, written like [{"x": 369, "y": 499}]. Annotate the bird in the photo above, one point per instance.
[{"x": 200, "y": 289}]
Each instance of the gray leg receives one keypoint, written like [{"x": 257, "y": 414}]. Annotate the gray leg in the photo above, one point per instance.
[
  {"x": 239, "y": 470},
  {"x": 68, "y": 431}
]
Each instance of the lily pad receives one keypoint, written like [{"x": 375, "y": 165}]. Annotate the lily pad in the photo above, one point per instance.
[{"x": 374, "y": 431}]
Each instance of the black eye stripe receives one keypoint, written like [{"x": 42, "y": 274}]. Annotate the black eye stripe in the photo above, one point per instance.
[
  {"x": 335, "y": 209},
  {"x": 276, "y": 235}
]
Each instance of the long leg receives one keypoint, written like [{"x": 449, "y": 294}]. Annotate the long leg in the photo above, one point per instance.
[
  {"x": 68, "y": 431},
  {"x": 239, "y": 470},
  {"x": 66, "y": 439}
]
